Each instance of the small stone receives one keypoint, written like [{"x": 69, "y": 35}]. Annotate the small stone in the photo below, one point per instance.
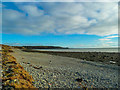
[{"x": 79, "y": 79}]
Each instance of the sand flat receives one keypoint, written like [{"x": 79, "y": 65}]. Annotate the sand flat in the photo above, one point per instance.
[{"x": 42, "y": 58}]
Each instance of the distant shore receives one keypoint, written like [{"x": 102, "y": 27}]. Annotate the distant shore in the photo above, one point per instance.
[
  {"x": 40, "y": 47},
  {"x": 104, "y": 57}
]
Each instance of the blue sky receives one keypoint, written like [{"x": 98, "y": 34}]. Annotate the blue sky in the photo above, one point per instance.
[{"x": 76, "y": 25}]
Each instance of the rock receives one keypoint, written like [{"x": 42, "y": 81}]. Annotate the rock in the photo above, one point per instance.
[
  {"x": 79, "y": 79},
  {"x": 37, "y": 67},
  {"x": 30, "y": 65},
  {"x": 77, "y": 73}
]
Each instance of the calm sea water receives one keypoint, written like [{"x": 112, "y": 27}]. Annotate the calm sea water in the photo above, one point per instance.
[{"x": 83, "y": 50}]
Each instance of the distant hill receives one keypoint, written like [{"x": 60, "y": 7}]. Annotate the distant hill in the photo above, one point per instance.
[
  {"x": 40, "y": 47},
  {"x": 36, "y": 47},
  {"x": 44, "y": 47}
]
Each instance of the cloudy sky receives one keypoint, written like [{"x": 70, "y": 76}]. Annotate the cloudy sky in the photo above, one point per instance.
[
  {"x": 60, "y": 0},
  {"x": 70, "y": 24}
]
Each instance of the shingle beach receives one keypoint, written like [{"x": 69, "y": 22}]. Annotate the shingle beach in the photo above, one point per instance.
[{"x": 51, "y": 71}]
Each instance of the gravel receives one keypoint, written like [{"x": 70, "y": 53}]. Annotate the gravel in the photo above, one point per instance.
[
  {"x": 65, "y": 77},
  {"x": 51, "y": 71}
]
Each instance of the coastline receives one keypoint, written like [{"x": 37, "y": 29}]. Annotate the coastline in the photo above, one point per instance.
[
  {"x": 54, "y": 71},
  {"x": 103, "y": 57}
]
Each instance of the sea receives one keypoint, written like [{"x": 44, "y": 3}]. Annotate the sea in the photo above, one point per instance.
[{"x": 83, "y": 50}]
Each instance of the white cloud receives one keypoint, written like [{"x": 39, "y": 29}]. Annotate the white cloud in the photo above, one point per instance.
[
  {"x": 104, "y": 39},
  {"x": 104, "y": 44},
  {"x": 26, "y": 25},
  {"x": 62, "y": 18},
  {"x": 11, "y": 15},
  {"x": 110, "y": 42},
  {"x": 108, "y": 38},
  {"x": 32, "y": 10},
  {"x": 103, "y": 30},
  {"x": 112, "y": 36}
]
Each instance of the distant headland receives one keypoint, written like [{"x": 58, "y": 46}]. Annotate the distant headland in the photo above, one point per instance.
[
  {"x": 38, "y": 47},
  {"x": 44, "y": 47}
]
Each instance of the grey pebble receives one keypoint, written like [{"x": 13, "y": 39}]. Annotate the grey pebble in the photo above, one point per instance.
[{"x": 55, "y": 77}]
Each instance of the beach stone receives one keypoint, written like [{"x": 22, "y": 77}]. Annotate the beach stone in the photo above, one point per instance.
[
  {"x": 66, "y": 75},
  {"x": 79, "y": 79}
]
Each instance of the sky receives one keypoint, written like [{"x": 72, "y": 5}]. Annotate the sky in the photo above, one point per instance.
[
  {"x": 67, "y": 24},
  {"x": 59, "y": 0}
]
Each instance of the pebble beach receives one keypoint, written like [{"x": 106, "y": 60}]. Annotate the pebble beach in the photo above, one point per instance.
[{"x": 51, "y": 71}]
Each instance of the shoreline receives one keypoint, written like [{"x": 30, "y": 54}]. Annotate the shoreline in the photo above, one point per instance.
[
  {"x": 52, "y": 71},
  {"x": 104, "y": 57}
]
